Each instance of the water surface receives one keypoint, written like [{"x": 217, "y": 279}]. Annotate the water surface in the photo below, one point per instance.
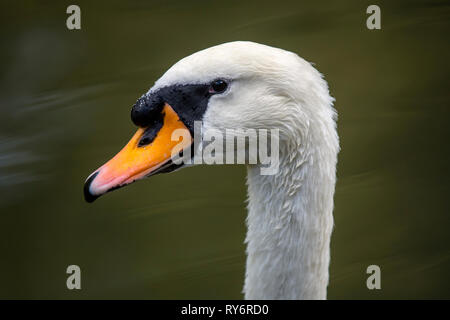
[{"x": 65, "y": 98}]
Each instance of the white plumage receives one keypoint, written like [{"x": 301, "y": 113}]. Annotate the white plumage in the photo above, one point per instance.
[{"x": 289, "y": 214}]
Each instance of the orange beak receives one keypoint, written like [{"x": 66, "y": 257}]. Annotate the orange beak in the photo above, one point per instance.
[{"x": 135, "y": 162}]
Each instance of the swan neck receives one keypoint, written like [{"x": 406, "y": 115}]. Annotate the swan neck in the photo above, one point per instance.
[{"x": 289, "y": 227}]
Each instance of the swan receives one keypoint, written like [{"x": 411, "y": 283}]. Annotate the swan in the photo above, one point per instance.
[{"x": 249, "y": 85}]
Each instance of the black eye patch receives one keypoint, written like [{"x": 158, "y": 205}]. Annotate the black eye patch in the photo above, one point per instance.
[{"x": 188, "y": 101}]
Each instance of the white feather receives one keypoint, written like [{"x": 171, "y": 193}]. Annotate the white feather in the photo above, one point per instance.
[{"x": 289, "y": 214}]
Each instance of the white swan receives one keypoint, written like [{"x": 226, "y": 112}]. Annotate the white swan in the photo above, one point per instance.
[{"x": 249, "y": 85}]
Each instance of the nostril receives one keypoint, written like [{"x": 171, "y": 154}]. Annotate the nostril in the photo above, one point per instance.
[
  {"x": 152, "y": 131},
  {"x": 146, "y": 109}
]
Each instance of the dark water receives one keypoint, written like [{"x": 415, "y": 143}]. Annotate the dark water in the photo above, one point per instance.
[{"x": 65, "y": 98}]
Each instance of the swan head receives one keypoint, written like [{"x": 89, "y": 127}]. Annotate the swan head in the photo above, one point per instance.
[{"x": 232, "y": 86}]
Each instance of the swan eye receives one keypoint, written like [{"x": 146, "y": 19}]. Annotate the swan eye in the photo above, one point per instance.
[{"x": 218, "y": 86}]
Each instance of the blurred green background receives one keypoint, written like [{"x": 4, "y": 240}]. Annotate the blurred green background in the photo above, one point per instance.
[{"x": 65, "y": 99}]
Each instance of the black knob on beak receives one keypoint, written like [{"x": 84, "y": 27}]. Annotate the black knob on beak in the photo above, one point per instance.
[{"x": 146, "y": 109}]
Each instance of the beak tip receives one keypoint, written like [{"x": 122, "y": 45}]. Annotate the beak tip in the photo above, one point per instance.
[{"x": 88, "y": 196}]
